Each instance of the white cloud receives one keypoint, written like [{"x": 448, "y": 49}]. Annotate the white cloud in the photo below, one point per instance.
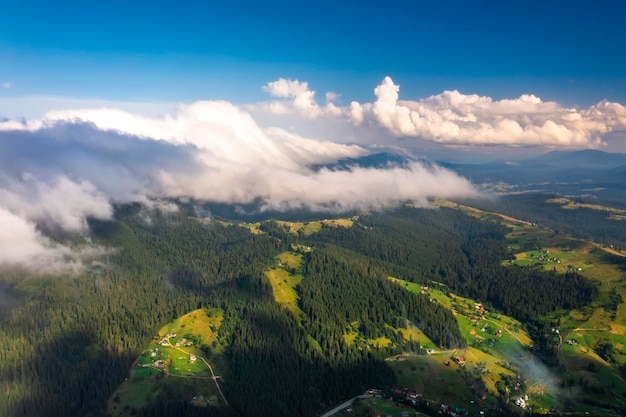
[
  {"x": 302, "y": 99},
  {"x": 58, "y": 202},
  {"x": 74, "y": 161},
  {"x": 58, "y": 171},
  {"x": 22, "y": 246},
  {"x": 453, "y": 118},
  {"x": 6, "y": 85},
  {"x": 286, "y": 88}
]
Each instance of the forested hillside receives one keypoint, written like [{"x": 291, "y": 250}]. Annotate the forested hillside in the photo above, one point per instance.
[
  {"x": 588, "y": 220},
  {"x": 68, "y": 341}
]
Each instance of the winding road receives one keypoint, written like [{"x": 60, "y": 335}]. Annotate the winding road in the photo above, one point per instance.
[
  {"x": 214, "y": 377},
  {"x": 344, "y": 405}
]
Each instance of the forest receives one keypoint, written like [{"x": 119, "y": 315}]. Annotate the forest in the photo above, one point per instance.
[
  {"x": 583, "y": 222},
  {"x": 68, "y": 341}
]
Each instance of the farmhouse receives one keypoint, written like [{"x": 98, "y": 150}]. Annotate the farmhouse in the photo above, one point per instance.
[{"x": 192, "y": 358}]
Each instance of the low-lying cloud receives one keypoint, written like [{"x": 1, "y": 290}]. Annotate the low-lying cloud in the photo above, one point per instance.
[
  {"x": 453, "y": 118},
  {"x": 73, "y": 164}
]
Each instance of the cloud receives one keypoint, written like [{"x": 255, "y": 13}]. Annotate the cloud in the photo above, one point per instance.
[
  {"x": 60, "y": 202},
  {"x": 453, "y": 118},
  {"x": 23, "y": 246},
  {"x": 302, "y": 100},
  {"x": 58, "y": 171},
  {"x": 6, "y": 85}
]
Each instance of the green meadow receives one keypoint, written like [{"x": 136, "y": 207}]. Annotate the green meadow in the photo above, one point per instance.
[
  {"x": 172, "y": 365},
  {"x": 592, "y": 338},
  {"x": 284, "y": 282}
]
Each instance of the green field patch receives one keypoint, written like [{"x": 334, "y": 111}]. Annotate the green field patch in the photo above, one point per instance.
[
  {"x": 255, "y": 228},
  {"x": 134, "y": 393},
  {"x": 437, "y": 378},
  {"x": 200, "y": 327},
  {"x": 568, "y": 204},
  {"x": 284, "y": 282},
  {"x": 290, "y": 259},
  {"x": 414, "y": 333},
  {"x": 351, "y": 334},
  {"x": 350, "y": 337},
  {"x": 309, "y": 228},
  {"x": 172, "y": 365},
  {"x": 379, "y": 342},
  {"x": 369, "y": 406}
]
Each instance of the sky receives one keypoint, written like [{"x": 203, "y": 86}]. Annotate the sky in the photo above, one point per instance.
[{"x": 235, "y": 102}]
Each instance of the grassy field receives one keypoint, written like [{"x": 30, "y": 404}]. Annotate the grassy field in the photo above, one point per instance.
[
  {"x": 284, "y": 282},
  {"x": 497, "y": 348},
  {"x": 171, "y": 365},
  {"x": 590, "y": 327},
  {"x": 437, "y": 378},
  {"x": 368, "y": 406},
  {"x": 568, "y": 204},
  {"x": 308, "y": 228}
]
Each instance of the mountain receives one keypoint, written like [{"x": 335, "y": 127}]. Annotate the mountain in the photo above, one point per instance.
[
  {"x": 584, "y": 159},
  {"x": 375, "y": 160},
  {"x": 589, "y": 173}
]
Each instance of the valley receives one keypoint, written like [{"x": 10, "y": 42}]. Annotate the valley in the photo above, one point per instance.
[{"x": 444, "y": 309}]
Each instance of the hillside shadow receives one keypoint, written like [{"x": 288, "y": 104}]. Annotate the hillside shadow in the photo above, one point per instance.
[{"x": 53, "y": 380}]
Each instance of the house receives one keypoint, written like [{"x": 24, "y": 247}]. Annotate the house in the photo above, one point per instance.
[
  {"x": 460, "y": 360},
  {"x": 192, "y": 358}
]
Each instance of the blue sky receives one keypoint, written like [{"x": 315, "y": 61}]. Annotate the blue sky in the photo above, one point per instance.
[{"x": 568, "y": 51}]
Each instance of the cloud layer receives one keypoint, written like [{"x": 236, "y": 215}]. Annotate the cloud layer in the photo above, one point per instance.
[
  {"x": 73, "y": 164},
  {"x": 455, "y": 118}
]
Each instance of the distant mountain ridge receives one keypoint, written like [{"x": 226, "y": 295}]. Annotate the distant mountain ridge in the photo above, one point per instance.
[
  {"x": 378, "y": 160},
  {"x": 587, "y": 158},
  {"x": 584, "y": 172}
]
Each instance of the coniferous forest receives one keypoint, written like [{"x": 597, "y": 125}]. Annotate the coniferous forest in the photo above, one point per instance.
[{"x": 69, "y": 340}]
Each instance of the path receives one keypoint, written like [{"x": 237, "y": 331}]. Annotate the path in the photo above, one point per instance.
[
  {"x": 508, "y": 331},
  {"x": 344, "y": 405},
  {"x": 580, "y": 329},
  {"x": 214, "y": 377}
]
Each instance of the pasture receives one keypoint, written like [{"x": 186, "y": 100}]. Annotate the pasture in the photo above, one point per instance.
[
  {"x": 284, "y": 282},
  {"x": 171, "y": 365}
]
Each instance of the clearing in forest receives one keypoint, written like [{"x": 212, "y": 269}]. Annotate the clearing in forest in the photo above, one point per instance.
[
  {"x": 180, "y": 360},
  {"x": 311, "y": 227},
  {"x": 284, "y": 281}
]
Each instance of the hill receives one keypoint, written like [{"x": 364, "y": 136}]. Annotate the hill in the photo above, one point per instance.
[
  {"x": 587, "y": 174},
  {"x": 303, "y": 315}
]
